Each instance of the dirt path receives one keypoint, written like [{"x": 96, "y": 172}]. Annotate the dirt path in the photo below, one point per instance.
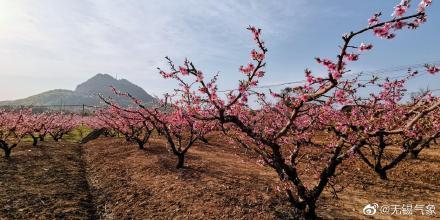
[{"x": 45, "y": 182}]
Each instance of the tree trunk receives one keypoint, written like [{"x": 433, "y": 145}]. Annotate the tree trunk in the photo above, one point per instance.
[
  {"x": 382, "y": 173},
  {"x": 311, "y": 211},
  {"x": 35, "y": 141},
  {"x": 41, "y": 137},
  {"x": 141, "y": 145},
  {"x": 7, "y": 152},
  {"x": 204, "y": 140},
  {"x": 415, "y": 154},
  {"x": 181, "y": 162}
]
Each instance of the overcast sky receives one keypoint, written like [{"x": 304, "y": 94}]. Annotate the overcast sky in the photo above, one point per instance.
[{"x": 50, "y": 44}]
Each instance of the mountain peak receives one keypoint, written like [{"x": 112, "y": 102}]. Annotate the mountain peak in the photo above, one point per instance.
[
  {"x": 102, "y": 76},
  {"x": 87, "y": 93},
  {"x": 100, "y": 84},
  {"x": 99, "y": 80}
]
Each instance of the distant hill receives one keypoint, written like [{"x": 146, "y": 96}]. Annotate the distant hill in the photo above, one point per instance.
[{"x": 86, "y": 93}]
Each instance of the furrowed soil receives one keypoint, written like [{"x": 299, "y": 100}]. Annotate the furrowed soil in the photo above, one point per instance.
[
  {"x": 110, "y": 179},
  {"x": 217, "y": 184},
  {"x": 45, "y": 182}
]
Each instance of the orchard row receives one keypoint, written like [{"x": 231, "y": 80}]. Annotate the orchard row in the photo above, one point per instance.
[
  {"x": 17, "y": 125},
  {"x": 300, "y": 132}
]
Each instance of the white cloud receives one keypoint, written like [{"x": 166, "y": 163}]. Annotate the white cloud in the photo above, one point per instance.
[{"x": 79, "y": 38}]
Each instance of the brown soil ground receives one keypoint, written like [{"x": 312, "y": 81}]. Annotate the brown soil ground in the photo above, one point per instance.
[
  {"x": 131, "y": 183},
  {"x": 222, "y": 182},
  {"x": 219, "y": 182},
  {"x": 413, "y": 181},
  {"x": 44, "y": 182}
]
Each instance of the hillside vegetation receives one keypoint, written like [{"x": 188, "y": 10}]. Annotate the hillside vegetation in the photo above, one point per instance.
[{"x": 85, "y": 93}]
